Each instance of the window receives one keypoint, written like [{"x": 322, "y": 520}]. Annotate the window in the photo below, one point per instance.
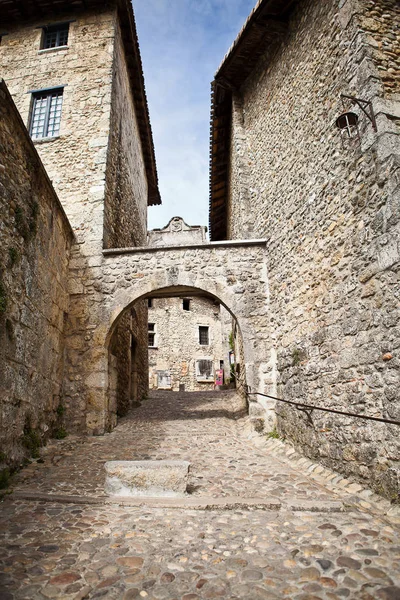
[
  {"x": 150, "y": 302},
  {"x": 203, "y": 336},
  {"x": 186, "y": 304},
  {"x": 164, "y": 380},
  {"x": 46, "y": 113},
  {"x": 204, "y": 370},
  {"x": 55, "y": 36},
  {"x": 152, "y": 334}
]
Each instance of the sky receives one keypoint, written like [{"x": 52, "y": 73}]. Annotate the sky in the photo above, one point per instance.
[{"x": 182, "y": 44}]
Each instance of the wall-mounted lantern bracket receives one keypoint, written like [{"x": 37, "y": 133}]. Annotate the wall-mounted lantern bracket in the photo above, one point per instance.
[
  {"x": 366, "y": 107},
  {"x": 308, "y": 412}
]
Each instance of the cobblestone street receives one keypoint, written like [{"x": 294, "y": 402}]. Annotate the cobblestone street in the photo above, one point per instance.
[{"x": 254, "y": 526}]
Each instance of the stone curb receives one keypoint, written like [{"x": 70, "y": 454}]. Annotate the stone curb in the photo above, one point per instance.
[
  {"x": 202, "y": 503},
  {"x": 358, "y": 497}
]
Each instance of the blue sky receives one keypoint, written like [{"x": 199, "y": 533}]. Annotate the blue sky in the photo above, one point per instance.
[{"x": 182, "y": 44}]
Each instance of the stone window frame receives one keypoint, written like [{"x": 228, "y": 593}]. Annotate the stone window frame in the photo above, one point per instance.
[
  {"x": 200, "y": 377},
  {"x": 49, "y": 94},
  {"x": 204, "y": 334},
  {"x": 59, "y": 29}
]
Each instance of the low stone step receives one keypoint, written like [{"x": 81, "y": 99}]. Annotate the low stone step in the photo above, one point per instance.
[
  {"x": 314, "y": 506},
  {"x": 188, "y": 502},
  {"x": 155, "y": 478}
]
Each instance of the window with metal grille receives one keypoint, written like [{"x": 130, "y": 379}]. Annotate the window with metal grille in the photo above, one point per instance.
[
  {"x": 151, "y": 329},
  {"x": 203, "y": 336},
  {"x": 204, "y": 369},
  {"x": 55, "y": 36},
  {"x": 46, "y": 114}
]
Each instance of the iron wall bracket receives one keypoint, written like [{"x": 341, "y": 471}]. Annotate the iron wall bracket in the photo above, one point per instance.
[{"x": 366, "y": 107}]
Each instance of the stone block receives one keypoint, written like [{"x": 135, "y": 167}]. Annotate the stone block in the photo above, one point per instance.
[{"x": 160, "y": 478}]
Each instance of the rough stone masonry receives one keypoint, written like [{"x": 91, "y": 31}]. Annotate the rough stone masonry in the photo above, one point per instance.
[
  {"x": 330, "y": 209},
  {"x": 317, "y": 306}
]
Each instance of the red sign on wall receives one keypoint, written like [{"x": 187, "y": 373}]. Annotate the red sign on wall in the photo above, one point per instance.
[{"x": 219, "y": 377}]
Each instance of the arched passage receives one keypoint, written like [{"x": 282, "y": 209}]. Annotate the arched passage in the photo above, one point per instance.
[
  {"x": 233, "y": 273},
  {"x": 130, "y": 364}
]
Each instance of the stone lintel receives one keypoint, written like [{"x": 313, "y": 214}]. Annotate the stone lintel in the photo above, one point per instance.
[
  {"x": 156, "y": 478},
  {"x": 206, "y": 246}
]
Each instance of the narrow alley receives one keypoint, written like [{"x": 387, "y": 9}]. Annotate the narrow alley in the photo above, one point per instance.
[{"x": 253, "y": 525}]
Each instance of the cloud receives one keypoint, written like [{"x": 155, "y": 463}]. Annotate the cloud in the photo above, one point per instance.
[{"x": 182, "y": 44}]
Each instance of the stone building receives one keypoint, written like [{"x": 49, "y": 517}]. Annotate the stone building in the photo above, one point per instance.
[
  {"x": 36, "y": 240},
  {"x": 74, "y": 73},
  {"x": 188, "y": 335},
  {"x": 304, "y": 223},
  {"x": 186, "y": 343},
  {"x": 328, "y": 201}
]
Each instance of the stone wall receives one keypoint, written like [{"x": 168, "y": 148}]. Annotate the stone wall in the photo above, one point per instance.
[
  {"x": 331, "y": 214},
  {"x": 125, "y": 219},
  {"x": 128, "y": 363},
  {"x": 140, "y": 355},
  {"x": 96, "y": 165},
  {"x": 34, "y": 253},
  {"x": 233, "y": 273},
  {"x": 177, "y": 233},
  {"x": 177, "y": 347},
  {"x": 76, "y": 159},
  {"x": 380, "y": 22}
]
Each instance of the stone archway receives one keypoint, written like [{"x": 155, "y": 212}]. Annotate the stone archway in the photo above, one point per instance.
[
  {"x": 127, "y": 302},
  {"x": 174, "y": 357},
  {"x": 233, "y": 273}
]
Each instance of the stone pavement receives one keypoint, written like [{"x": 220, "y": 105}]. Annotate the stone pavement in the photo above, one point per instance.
[{"x": 271, "y": 532}]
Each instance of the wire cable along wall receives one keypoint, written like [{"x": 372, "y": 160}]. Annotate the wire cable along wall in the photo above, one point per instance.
[{"x": 305, "y": 407}]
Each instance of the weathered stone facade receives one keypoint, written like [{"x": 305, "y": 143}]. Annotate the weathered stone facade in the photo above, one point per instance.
[
  {"x": 177, "y": 232},
  {"x": 34, "y": 252},
  {"x": 102, "y": 167},
  {"x": 231, "y": 273},
  {"x": 177, "y": 349},
  {"x": 125, "y": 220},
  {"x": 105, "y": 176},
  {"x": 316, "y": 308},
  {"x": 128, "y": 361},
  {"x": 331, "y": 214}
]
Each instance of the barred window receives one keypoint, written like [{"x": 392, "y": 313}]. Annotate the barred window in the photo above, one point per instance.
[
  {"x": 203, "y": 336},
  {"x": 151, "y": 328},
  {"x": 204, "y": 370},
  {"x": 55, "y": 36},
  {"x": 46, "y": 114}
]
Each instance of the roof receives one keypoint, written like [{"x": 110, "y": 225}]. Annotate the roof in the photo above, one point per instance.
[
  {"x": 264, "y": 28},
  {"x": 14, "y": 11}
]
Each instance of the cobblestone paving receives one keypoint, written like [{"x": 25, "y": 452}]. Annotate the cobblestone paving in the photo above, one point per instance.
[
  {"x": 200, "y": 428},
  {"x": 60, "y": 550}
]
